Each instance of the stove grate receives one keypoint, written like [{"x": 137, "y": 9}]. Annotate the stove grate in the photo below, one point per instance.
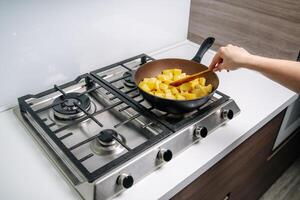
[
  {"x": 28, "y": 105},
  {"x": 113, "y": 77}
]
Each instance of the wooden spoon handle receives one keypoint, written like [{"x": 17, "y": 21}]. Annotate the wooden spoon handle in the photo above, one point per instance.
[{"x": 188, "y": 78}]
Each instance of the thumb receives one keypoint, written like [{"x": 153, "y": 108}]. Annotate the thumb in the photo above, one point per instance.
[{"x": 215, "y": 62}]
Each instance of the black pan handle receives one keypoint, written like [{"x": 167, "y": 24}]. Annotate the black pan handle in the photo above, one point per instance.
[
  {"x": 206, "y": 44},
  {"x": 298, "y": 58}
]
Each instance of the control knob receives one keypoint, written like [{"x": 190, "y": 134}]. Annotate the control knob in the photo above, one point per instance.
[
  {"x": 125, "y": 180},
  {"x": 200, "y": 131},
  {"x": 227, "y": 114},
  {"x": 164, "y": 155}
]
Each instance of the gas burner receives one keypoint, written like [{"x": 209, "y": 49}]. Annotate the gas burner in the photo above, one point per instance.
[
  {"x": 105, "y": 143},
  {"x": 68, "y": 109},
  {"x": 128, "y": 80}
]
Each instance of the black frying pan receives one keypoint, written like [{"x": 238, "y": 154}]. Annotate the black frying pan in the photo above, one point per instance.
[{"x": 154, "y": 68}]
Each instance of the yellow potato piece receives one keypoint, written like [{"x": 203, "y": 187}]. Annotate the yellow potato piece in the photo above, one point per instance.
[
  {"x": 202, "y": 81},
  {"x": 189, "y": 96},
  {"x": 174, "y": 90},
  {"x": 159, "y": 94},
  {"x": 169, "y": 95},
  {"x": 163, "y": 86},
  {"x": 177, "y": 72},
  {"x": 179, "y": 76},
  {"x": 157, "y": 84},
  {"x": 194, "y": 83},
  {"x": 167, "y": 71},
  {"x": 179, "y": 97},
  {"x": 200, "y": 92},
  {"x": 208, "y": 88},
  {"x": 185, "y": 87},
  {"x": 162, "y": 77},
  {"x": 150, "y": 82},
  {"x": 144, "y": 86}
]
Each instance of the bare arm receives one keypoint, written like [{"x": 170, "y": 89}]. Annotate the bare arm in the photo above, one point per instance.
[{"x": 284, "y": 72}]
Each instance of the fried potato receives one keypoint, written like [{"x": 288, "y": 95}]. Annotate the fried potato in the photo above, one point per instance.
[{"x": 159, "y": 86}]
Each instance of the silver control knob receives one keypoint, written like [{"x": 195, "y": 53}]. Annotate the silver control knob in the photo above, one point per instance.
[
  {"x": 125, "y": 180},
  {"x": 227, "y": 114},
  {"x": 200, "y": 131},
  {"x": 164, "y": 155}
]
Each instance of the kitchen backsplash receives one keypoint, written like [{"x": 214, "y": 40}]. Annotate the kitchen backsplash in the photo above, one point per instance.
[{"x": 51, "y": 42}]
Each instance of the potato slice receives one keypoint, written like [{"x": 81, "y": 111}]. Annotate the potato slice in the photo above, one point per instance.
[
  {"x": 202, "y": 81},
  {"x": 150, "y": 82},
  {"x": 179, "y": 76},
  {"x": 162, "y": 77},
  {"x": 200, "y": 92},
  {"x": 194, "y": 83},
  {"x": 157, "y": 84},
  {"x": 159, "y": 94},
  {"x": 209, "y": 88},
  {"x": 169, "y": 95},
  {"x": 144, "y": 86},
  {"x": 177, "y": 72},
  {"x": 167, "y": 71},
  {"x": 185, "y": 87},
  {"x": 174, "y": 90},
  {"x": 179, "y": 96},
  {"x": 163, "y": 86},
  {"x": 189, "y": 96}
]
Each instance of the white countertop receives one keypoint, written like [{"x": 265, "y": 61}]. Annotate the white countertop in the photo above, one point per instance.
[{"x": 26, "y": 173}]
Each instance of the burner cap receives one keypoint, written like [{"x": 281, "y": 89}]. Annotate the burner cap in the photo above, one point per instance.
[
  {"x": 106, "y": 144},
  {"x": 106, "y": 136},
  {"x": 67, "y": 109},
  {"x": 128, "y": 79}
]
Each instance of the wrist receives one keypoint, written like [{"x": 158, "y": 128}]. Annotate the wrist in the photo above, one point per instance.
[{"x": 250, "y": 61}]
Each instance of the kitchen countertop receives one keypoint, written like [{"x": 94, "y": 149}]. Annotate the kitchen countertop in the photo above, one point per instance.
[{"x": 26, "y": 173}]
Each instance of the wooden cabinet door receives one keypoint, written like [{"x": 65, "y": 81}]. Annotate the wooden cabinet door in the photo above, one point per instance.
[{"x": 240, "y": 174}]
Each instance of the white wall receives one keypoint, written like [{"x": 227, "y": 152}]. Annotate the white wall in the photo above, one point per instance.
[{"x": 52, "y": 41}]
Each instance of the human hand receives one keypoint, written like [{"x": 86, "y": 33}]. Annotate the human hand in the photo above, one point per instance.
[{"x": 229, "y": 58}]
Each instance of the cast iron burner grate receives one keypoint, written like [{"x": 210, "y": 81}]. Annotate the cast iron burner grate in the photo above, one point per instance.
[{"x": 73, "y": 103}]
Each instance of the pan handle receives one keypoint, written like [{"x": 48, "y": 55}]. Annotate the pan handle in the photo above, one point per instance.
[{"x": 206, "y": 44}]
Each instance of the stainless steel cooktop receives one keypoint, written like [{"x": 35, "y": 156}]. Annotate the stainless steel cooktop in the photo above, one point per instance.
[{"x": 104, "y": 137}]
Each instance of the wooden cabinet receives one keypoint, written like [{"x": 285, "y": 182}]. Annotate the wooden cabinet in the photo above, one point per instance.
[{"x": 249, "y": 170}]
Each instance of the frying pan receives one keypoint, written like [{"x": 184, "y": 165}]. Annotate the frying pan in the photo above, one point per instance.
[{"x": 152, "y": 69}]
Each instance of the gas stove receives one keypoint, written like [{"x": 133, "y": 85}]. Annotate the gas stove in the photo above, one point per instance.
[{"x": 104, "y": 137}]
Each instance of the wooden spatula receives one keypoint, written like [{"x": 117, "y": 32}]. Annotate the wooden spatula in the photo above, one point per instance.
[{"x": 188, "y": 78}]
